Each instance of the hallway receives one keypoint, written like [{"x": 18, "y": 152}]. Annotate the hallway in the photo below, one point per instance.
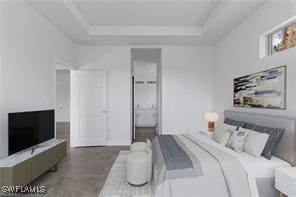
[{"x": 143, "y": 133}]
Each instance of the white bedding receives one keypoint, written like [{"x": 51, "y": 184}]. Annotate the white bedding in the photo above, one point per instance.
[
  {"x": 262, "y": 167},
  {"x": 187, "y": 186},
  {"x": 256, "y": 168}
]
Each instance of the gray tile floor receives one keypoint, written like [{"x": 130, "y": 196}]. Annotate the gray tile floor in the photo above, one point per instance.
[{"x": 82, "y": 173}]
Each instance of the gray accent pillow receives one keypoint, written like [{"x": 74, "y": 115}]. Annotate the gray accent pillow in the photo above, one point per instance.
[
  {"x": 237, "y": 140},
  {"x": 234, "y": 122},
  {"x": 275, "y": 135}
]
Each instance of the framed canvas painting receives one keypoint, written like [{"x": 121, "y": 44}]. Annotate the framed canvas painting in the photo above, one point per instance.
[{"x": 266, "y": 89}]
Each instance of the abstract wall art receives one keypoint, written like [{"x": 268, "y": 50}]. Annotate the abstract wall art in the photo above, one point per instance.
[{"x": 266, "y": 89}]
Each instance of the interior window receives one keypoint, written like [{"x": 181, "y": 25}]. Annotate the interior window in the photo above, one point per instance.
[{"x": 283, "y": 38}]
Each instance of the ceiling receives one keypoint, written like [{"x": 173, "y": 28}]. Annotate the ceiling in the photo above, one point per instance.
[
  {"x": 153, "y": 13},
  {"x": 145, "y": 22}
]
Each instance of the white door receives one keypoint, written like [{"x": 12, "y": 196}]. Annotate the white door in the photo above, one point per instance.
[{"x": 88, "y": 108}]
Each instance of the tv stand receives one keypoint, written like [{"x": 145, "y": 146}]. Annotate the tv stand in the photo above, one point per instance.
[
  {"x": 23, "y": 167},
  {"x": 35, "y": 147}
]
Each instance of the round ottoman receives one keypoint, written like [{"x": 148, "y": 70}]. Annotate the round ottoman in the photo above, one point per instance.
[
  {"x": 136, "y": 168},
  {"x": 140, "y": 146}
]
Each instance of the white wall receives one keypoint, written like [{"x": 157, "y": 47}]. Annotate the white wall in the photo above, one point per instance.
[
  {"x": 29, "y": 44},
  {"x": 186, "y": 86},
  {"x": 62, "y": 96},
  {"x": 238, "y": 54}
]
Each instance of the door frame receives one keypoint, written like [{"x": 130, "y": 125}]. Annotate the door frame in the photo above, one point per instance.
[
  {"x": 158, "y": 93},
  {"x": 59, "y": 64}
]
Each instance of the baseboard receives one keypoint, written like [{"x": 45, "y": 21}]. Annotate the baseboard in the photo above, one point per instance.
[{"x": 119, "y": 143}]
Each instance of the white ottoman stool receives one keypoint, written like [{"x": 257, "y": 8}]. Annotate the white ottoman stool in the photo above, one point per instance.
[
  {"x": 140, "y": 146},
  {"x": 136, "y": 168}
]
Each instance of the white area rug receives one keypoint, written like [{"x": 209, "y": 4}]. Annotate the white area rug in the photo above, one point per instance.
[{"x": 117, "y": 185}]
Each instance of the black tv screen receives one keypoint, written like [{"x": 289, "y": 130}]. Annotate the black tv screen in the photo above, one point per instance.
[{"x": 26, "y": 129}]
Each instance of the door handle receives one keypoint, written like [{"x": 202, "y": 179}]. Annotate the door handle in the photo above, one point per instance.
[{"x": 104, "y": 111}]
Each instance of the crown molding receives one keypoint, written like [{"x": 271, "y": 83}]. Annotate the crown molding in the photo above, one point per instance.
[
  {"x": 77, "y": 14},
  {"x": 145, "y": 31}
]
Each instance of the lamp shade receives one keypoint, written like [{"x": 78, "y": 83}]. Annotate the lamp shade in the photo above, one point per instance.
[{"x": 211, "y": 116}]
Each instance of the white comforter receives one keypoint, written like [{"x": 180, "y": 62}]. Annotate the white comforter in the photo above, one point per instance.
[{"x": 188, "y": 187}]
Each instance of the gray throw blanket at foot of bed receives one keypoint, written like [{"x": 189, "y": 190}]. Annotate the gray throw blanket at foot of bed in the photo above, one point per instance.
[{"x": 172, "y": 159}]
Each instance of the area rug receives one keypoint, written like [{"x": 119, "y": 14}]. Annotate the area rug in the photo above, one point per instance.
[{"x": 116, "y": 184}]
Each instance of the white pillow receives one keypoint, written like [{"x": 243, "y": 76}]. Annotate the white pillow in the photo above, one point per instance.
[
  {"x": 255, "y": 142},
  {"x": 226, "y": 127},
  {"x": 221, "y": 136}
]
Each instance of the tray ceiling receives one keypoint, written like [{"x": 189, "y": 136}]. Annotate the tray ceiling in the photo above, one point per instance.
[{"x": 145, "y": 22}]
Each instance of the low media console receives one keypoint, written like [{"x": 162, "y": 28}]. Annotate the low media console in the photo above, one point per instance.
[{"x": 22, "y": 168}]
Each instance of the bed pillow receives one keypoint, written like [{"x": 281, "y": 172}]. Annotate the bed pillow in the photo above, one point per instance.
[
  {"x": 275, "y": 135},
  {"x": 233, "y": 122},
  {"x": 221, "y": 135},
  {"x": 255, "y": 142},
  {"x": 228, "y": 127},
  {"x": 237, "y": 140}
]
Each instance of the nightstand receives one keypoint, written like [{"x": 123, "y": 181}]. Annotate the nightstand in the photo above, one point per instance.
[
  {"x": 285, "y": 181},
  {"x": 206, "y": 132}
]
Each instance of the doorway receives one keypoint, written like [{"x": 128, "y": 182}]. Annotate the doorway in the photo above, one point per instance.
[
  {"x": 80, "y": 105},
  {"x": 146, "y": 93},
  {"x": 62, "y": 99}
]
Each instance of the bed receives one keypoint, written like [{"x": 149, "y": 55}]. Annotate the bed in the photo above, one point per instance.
[{"x": 220, "y": 171}]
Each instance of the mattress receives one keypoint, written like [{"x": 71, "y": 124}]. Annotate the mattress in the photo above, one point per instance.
[{"x": 262, "y": 167}]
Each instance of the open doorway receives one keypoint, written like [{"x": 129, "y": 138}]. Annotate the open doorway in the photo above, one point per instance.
[
  {"x": 63, "y": 104},
  {"x": 62, "y": 99},
  {"x": 146, "y": 97}
]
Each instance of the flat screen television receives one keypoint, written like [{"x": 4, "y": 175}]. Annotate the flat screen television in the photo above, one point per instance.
[{"x": 27, "y": 129}]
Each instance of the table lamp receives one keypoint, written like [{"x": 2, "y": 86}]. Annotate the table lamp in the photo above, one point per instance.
[{"x": 211, "y": 117}]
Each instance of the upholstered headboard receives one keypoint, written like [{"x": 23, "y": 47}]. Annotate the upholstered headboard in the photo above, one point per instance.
[{"x": 286, "y": 149}]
